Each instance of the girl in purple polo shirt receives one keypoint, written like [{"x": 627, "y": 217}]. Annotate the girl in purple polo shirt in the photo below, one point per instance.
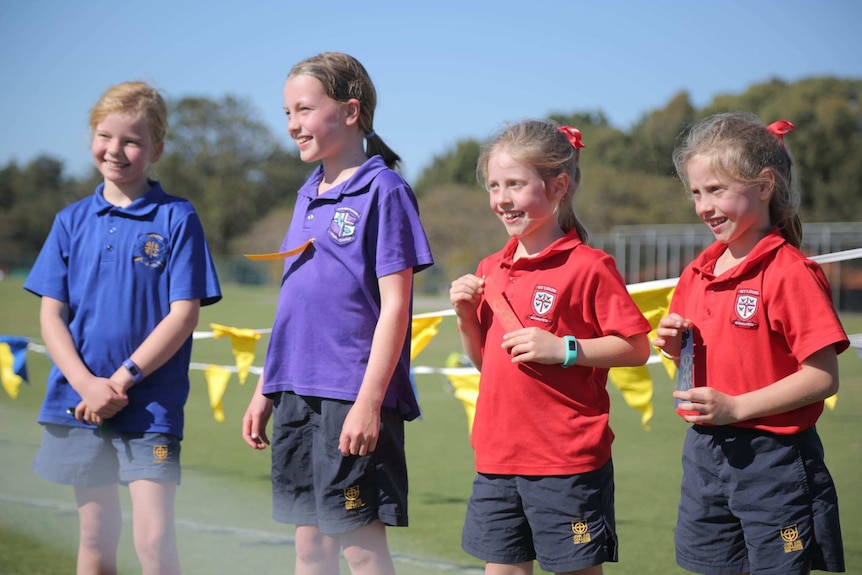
[{"x": 336, "y": 376}]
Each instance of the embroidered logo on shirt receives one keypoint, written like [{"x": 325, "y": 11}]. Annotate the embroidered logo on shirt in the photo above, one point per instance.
[
  {"x": 581, "y": 532},
  {"x": 543, "y": 301},
  {"x": 790, "y": 535},
  {"x": 352, "y": 499},
  {"x": 747, "y": 301},
  {"x": 343, "y": 225},
  {"x": 160, "y": 453},
  {"x": 151, "y": 250}
]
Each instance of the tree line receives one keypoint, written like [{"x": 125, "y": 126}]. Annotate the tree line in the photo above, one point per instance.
[{"x": 243, "y": 179}]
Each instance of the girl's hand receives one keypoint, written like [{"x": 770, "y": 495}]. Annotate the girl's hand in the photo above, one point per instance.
[
  {"x": 360, "y": 431},
  {"x": 465, "y": 294},
  {"x": 100, "y": 398},
  {"x": 668, "y": 333},
  {"x": 536, "y": 345},
  {"x": 713, "y": 407},
  {"x": 255, "y": 420}
]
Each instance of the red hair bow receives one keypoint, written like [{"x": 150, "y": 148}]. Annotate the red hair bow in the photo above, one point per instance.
[
  {"x": 779, "y": 128},
  {"x": 573, "y": 135}
]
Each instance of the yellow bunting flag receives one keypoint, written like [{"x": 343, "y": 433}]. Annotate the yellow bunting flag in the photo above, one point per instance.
[
  {"x": 243, "y": 341},
  {"x": 11, "y": 380},
  {"x": 831, "y": 401},
  {"x": 424, "y": 329},
  {"x": 465, "y": 385},
  {"x": 217, "y": 378},
  {"x": 635, "y": 383}
]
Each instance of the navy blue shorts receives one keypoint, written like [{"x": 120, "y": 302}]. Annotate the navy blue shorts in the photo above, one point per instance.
[
  {"x": 756, "y": 502},
  {"x": 88, "y": 457},
  {"x": 566, "y": 522},
  {"x": 314, "y": 484}
]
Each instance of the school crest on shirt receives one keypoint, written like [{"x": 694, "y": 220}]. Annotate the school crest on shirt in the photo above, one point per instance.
[
  {"x": 581, "y": 532},
  {"x": 747, "y": 304},
  {"x": 342, "y": 228},
  {"x": 160, "y": 453},
  {"x": 151, "y": 250},
  {"x": 543, "y": 302}
]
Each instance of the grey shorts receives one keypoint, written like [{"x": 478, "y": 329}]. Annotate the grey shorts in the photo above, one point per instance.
[
  {"x": 566, "y": 522},
  {"x": 87, "y": 457},
  {"x": 314, "y": 484}
]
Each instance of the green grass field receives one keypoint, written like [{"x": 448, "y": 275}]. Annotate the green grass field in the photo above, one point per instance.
[{"x": 223, "y": 508}]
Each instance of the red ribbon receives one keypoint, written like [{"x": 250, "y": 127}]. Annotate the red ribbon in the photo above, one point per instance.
[
  {"x": 573, "y": 135},
  {"x": 779, "y": 128}
]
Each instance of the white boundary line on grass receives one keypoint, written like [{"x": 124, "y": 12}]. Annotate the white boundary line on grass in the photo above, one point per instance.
[{"x": 265, "y": 537}]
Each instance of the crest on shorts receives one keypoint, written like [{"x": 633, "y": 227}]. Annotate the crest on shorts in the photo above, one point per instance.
[
  {"x": 342, "y": 228},
  {"x": 151, "y": 250},
  {"x": 160, "y": 453},
  {"x": 543, "y": 299},
  {"x": 790, "y": 535},
  {"x": 581, "y": 531},
  {"x": 352, "y": 500}
]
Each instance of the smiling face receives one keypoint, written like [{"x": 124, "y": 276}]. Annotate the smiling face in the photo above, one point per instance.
[
  {"x": 523, "y": 202},
  {"x": 123, "y": 150},
  {"x": 736, "y": 211},
  {"x": 317, "y": 123}
]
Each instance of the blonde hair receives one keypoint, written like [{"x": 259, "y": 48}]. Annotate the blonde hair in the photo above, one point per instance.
[
  {"x": 740, "y": 145},
  {"x": 345, "y": 78},
  {"x": 545, "y": 149},
  {"x": 133, "y": 98}
]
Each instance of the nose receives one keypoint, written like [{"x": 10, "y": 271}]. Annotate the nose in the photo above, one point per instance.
[
  {"x": 702, "y": 205},
  {"x": 114, "y": 147},
  {"x": 292, "y": 125}
]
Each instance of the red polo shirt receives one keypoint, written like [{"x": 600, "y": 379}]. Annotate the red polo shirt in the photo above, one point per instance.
[
  {"x": 542, "y": 420},
  {"x": 759, "y": 321}
]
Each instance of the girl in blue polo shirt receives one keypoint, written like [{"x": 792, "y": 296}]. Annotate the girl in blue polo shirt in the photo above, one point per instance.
[
  {"x": 122, "y": 276},
  {"x": 336, "y": 376},
  {"x": 756, "y": 496}
]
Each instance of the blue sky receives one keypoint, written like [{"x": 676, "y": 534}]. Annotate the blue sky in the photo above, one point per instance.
[{"x": 444, "y": 70}]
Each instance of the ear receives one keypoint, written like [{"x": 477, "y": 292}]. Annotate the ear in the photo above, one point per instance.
[
  {"x": 352, "y": 107},
  {"x": 766, "y": 181},
  {"x": 559, "y": 186},
  {"x": 158, "y": 149}
]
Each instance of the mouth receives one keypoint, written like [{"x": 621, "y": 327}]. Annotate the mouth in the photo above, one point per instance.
[
  {"x": 511, "y": 217},
  {"x": 301, "y": 140},
  {"x": 715, "y": 222},
  {"x": 116, "y": 165}
]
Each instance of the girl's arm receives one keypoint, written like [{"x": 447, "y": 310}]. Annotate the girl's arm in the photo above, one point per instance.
[
  {"x": 815, "y": 381},
  {"x": 164, "y": 341},
  {"x": 540, "y": 346},
  {"x": 361, "y": 427},
  {"x": 96, "y": 393},
  {"x": 465, "y": 295}
]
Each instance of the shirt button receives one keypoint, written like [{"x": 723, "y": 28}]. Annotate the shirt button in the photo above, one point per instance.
[
  {"x": 112, "y": 230},
  {"x": 109, "y": 247},
  {"x": 309, "y": 217}
]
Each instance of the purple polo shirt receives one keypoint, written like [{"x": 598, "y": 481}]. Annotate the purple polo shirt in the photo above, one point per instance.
[
  {"x": 119, "y": 269},
  {"x": 363, "y": 229}
]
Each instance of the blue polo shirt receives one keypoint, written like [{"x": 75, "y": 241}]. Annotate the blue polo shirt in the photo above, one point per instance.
[
  {"x": 363, "y": 229},
  {"x": 119, "y": 269}
]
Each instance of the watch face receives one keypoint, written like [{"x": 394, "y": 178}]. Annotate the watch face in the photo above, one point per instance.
[
  {"x": 573, "y": 345},
  {"x": 134, "y": 370}
]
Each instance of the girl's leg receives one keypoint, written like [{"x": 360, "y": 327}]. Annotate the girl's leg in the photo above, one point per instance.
[
  {"x": 367, "y": 551},
  {"x": 154, "y": 529},
  {"x": 100, "y": 520},
  {"x": 525, "y": 568},
  {"x": 316, "y": 552}
]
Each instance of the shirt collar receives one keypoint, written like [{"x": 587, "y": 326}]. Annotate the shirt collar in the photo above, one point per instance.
[
  {"x": 141, "y": 207},
  {"x": 566, "y": 243},
  {"x": 705, "y": 263},
  {"x": 356, "y": 183}
]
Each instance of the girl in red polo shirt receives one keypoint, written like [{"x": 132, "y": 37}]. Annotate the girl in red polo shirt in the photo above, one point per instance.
[
  {"x": 756, "y": 494},
  {"x": 543, "y": 320}
]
